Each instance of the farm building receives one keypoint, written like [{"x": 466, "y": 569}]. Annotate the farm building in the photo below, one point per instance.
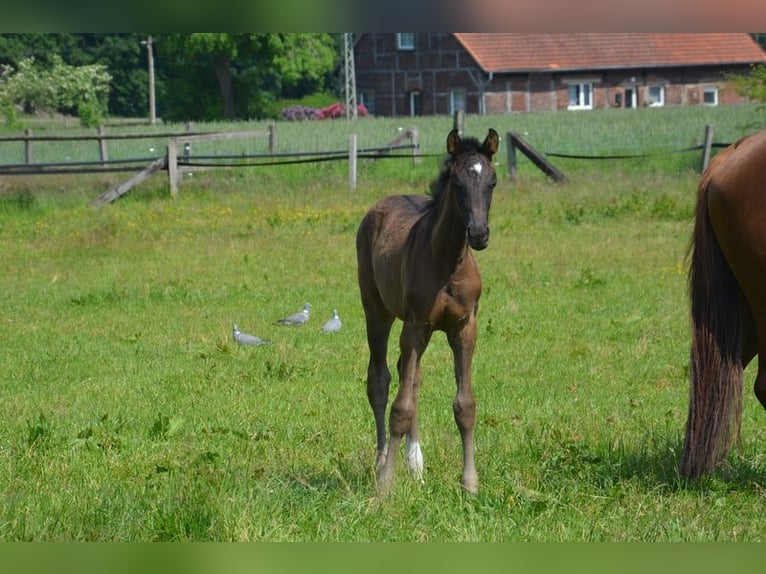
[{"x": 411, "y": 74}]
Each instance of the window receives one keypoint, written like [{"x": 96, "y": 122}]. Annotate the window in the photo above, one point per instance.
[
  {"x": 580, "y": 96},
  {"x": 414, "y": 103},
  {"x": 456, "y": 101},
  {"x": 405, "y": 41},
  {"x": 710, "y": 96},
  {"x": 630, "y": 98},
  {"x": 656, "y": 95},
  {"x": 366, "y": 98}
]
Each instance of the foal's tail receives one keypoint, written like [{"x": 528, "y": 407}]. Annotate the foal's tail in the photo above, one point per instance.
[{"x": 717, "y": 315}]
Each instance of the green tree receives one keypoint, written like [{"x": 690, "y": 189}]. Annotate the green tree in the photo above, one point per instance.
[
  {"x": 20, "y": 46},
  {"x": 760, "y": 38},
  {"x": 752, "y": 85},
  {"x": 123, "y": 55},
  {"x": 56, "y": 86},
  {"x": 248, "y": 70}
]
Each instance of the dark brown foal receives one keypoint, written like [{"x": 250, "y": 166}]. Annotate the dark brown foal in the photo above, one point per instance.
[{"x": 415, "y": 264}]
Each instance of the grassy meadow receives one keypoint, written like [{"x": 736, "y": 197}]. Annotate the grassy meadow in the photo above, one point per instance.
[{"x": 131, "y": 415}]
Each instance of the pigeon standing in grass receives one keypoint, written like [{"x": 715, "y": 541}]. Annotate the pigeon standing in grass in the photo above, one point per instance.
[
  {"x": 297, "y": 319},
  {"x": 247, "y": 339},
  {"x": 333, "y": 324}
]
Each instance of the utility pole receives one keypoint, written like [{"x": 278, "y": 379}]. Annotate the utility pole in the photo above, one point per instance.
[
  {"x": 349, "y": 75},
  {"x": 150, "y": 56}
]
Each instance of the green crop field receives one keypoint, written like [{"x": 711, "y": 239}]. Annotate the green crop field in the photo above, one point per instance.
[{"x": 131, "y": 415}]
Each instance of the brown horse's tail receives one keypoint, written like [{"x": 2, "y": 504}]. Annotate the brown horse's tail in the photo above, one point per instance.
[{"x": 715, "y": 398}]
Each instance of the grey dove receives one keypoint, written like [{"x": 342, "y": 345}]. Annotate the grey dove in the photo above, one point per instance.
[
  {"x": 299, "y": 318},
  {"x": 332, "y": 325},
  {"x": 246, "y": 338}
]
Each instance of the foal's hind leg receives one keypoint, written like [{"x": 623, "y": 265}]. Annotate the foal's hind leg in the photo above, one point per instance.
[
  {"x": 378, "y": 376},
  {"x": 462, "y": 340}
]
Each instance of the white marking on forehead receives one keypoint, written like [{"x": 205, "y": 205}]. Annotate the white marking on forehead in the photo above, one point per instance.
[{"x": 477, "y": 167}]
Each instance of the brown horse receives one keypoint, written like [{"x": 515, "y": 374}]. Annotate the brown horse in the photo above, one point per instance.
[
  {"x": 727, "y": 291},
  {"x": 415, "y": 263}
]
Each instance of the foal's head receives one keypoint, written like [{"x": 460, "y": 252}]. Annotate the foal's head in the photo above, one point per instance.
[{"x": 472, "y": 179}]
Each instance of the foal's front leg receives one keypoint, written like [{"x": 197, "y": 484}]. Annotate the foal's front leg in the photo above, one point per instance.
[
  {"x": 462, "y": 340},
  {"x": 403, "y": 415}
]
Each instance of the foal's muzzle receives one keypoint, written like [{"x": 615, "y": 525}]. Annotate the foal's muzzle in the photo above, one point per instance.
[{"x": 478, "y": 240}]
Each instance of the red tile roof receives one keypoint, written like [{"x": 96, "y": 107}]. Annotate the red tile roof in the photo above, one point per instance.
[{"x": 555, "y": 52}]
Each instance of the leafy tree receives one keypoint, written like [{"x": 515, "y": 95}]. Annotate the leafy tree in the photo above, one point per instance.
[
  {"x": 760, "y": 38},
  {"x": 248, "y": 69},
  {"x": 57, "y": 87},
  {"x": 122, "y": 54},
  {"x": 197, "y": 76},
  {"x": 752, "y": 85},
  {"x": 16, "y": 47},
  {"x": 125, "y": 57}
]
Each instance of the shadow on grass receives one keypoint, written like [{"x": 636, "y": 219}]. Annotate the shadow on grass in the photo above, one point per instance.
[
  {"x": 651, "y": 463},
  {"x": 657, "y": 465},
  {"x": 654, "y": 464}
]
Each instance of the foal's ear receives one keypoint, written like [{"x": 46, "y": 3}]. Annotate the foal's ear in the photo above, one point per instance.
[
  {"x": 491, "y": 143},
  {"x": 453, "y": 142}
]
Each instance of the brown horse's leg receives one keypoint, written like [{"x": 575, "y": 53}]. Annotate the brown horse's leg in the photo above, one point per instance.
[
  {"x": 462, "y": 340},
  {"x": 412, "y": 344},
  {"x": 760, "y": 379},
  {"x": 378, "y": 375}
]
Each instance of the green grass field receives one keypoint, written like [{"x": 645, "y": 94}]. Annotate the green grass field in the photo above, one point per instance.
[{"x": 131, "y": 415}]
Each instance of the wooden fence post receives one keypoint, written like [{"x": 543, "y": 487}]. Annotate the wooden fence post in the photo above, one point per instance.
[
  {"x": 707, "y": 147},
  {"x": 28, "y": 156},
  {"x": 272, "y": 138},
  {"x": 352, "y": 162},
  {"x": 458, "y": 121},
  {"x": 416, "y": 156},
  {"x": 511, "y": 156},
  {"x": 102, "y": 152},
  {"x": 173, "y": 166},
  {"x": 536, "y": 157}
]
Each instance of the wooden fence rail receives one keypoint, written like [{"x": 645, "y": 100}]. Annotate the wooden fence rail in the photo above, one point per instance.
[
  {"x": 101, "y": 138},
  {"x": 174, "y": 144}
]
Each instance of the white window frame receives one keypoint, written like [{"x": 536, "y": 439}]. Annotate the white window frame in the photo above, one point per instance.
[
  {"x": 656, "y": 100},
  {"x": 405, "y": 40},
  {"x": 710, "y": 90},
  {"x": 583, "y": 96},
  {"x": 457, "y": 100}
]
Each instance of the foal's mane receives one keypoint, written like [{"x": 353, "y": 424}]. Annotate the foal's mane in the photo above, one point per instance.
[{"x": 467, "y": 145}]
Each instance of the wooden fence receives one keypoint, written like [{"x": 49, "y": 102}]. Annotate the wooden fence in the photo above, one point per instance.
[
  {"x": 101, "y": 138},
  {"x": 542, "y": 159},
  {"x": 178, "y": 157}
]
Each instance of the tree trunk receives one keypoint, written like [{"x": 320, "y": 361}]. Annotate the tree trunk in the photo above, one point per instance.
[{"x": 222, "y": 68}]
